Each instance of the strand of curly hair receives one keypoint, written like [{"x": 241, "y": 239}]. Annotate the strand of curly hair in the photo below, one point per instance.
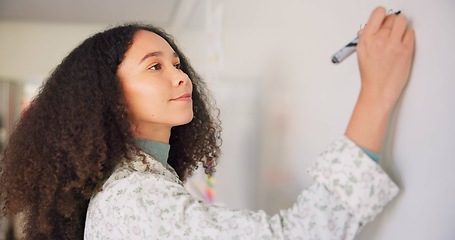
[{"x": 76, "y": 131}]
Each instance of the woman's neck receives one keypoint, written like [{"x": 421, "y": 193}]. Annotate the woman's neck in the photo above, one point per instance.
[{"x": 156, "y": 132}]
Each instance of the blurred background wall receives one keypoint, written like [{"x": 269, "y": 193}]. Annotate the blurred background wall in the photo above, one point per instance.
[{"x": 281, "y": 99}]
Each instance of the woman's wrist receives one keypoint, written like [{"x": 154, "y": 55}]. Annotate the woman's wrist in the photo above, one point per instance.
[
  {"x": 369, "y": 121},
  {"x": 383, "y": 99}
]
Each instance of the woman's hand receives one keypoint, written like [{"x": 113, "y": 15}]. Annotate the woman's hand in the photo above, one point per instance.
[{"x": 384, "y": 53}]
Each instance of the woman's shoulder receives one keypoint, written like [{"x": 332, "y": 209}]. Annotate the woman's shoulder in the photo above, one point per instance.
[
  {"x": 128, "y": 197},
  {"x": 142, "y": 168}
]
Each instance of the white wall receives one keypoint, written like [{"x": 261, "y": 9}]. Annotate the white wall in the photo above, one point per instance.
[
  {"x": 29, "y": 51},
  {"x": 284, "y": 48}
]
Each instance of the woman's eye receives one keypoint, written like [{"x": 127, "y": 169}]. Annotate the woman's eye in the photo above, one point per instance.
[
  {"x": 155, "y": 67},
  {"x": 177, "y": 66}
]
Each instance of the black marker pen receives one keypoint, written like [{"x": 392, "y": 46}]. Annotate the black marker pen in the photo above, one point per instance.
[{"x": 347, "y": 50}]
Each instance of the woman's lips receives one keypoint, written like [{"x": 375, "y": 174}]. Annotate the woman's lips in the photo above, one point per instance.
[{"x": 184, "y": 97}]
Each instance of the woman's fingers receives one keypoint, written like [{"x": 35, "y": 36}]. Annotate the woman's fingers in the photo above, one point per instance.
[
  {"x": 399, "y": 28},
  {"x": 388, "y": 23},
  {"x": 391, "y": 25},
  {"x": 375, "y": 21},
  {"x": 360, "y": 32},
  {"x": 409, "y": 38}
]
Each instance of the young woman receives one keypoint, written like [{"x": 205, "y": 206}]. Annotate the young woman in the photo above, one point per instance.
[{"x": 102, "y": 151}]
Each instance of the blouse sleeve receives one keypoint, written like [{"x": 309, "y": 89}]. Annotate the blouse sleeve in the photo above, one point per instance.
[{"x": 348, "y": 192}]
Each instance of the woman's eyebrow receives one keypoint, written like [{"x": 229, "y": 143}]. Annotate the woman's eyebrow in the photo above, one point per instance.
[{"x": 155, "y": 54}]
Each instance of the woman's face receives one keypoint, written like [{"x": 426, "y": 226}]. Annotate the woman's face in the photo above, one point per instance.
[{"x": 157, "y": 92}]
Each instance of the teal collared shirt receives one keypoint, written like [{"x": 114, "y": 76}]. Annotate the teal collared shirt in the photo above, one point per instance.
[
  {"x": 371, "y": 154},
  {"x": 159, "y": 151}
]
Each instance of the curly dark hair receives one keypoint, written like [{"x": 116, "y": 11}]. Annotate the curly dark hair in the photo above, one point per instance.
[{"x": 77, "y": 130}]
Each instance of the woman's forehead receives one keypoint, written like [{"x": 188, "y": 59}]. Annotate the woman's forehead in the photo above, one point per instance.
[
  {"x": 149, "y": 41},
  {"x": 146, "y": 43}
]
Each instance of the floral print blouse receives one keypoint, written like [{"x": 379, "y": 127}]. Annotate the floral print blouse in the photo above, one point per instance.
[{"x": 145, "y": 200}]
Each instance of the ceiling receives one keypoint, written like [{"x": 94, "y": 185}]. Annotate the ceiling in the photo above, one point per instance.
[{"x": 164, "y": 13}]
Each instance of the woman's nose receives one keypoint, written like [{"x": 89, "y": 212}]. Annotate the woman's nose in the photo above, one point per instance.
[{"x": 180, "y": 78}]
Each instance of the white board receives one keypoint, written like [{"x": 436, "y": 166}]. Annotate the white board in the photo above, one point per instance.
[{"x": 292, "y": 41}]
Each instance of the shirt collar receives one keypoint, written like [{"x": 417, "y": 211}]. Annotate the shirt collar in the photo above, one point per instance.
[{"x": 159, "y": 151}]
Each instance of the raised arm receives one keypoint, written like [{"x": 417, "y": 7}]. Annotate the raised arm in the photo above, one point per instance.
[{"x": 385, "y": 52}]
